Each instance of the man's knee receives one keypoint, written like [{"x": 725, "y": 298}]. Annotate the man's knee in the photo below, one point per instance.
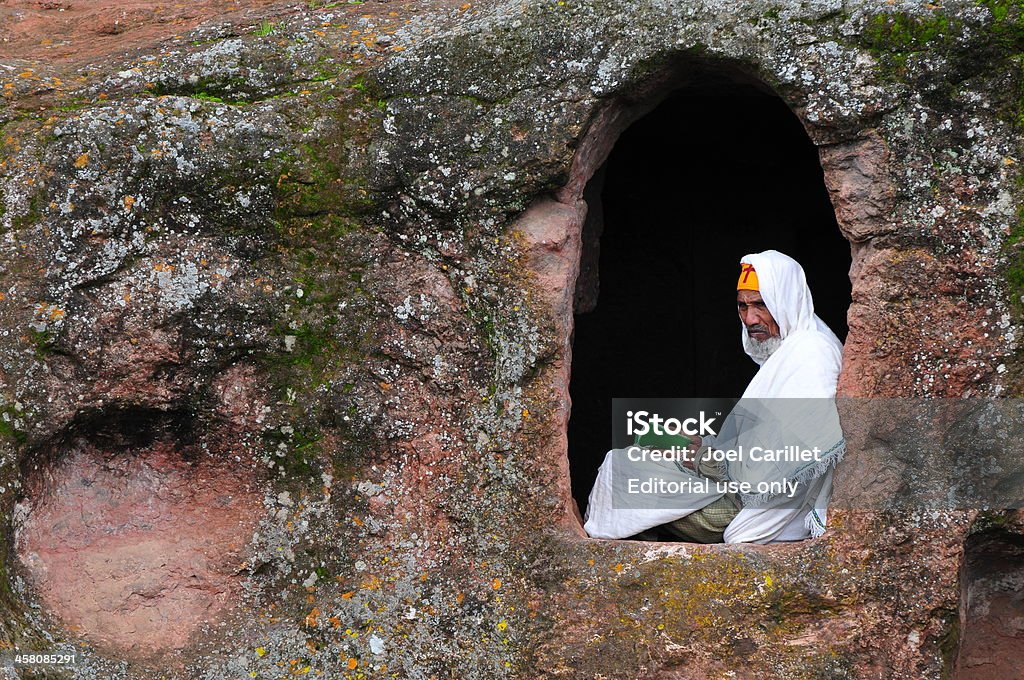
[{"x": 755, "y": 525}]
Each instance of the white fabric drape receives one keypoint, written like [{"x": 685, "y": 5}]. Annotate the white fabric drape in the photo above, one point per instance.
[{"x": 805, "y": 366}]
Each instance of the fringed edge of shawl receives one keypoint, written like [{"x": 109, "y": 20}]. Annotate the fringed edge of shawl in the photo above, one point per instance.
[
  {"x": 811, "y": 472},
  {"x": 816, "y": 522}
]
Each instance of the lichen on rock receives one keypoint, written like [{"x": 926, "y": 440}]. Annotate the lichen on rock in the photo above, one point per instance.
[{"x": 343, "y": 248}]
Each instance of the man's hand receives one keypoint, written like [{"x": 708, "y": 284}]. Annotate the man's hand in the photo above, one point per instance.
[{"x": 689, "y": 458}]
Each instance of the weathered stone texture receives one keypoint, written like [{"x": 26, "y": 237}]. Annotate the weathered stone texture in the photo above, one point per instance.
[{"x": 377, "y": 235}]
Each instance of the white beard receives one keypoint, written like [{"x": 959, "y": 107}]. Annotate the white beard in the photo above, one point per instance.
[{"x": 760, "y": 351}]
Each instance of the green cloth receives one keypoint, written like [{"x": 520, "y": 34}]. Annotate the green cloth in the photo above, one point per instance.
[{"x": 662, "y": 441}]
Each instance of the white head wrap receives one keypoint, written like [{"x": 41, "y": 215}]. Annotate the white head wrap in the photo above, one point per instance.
[
  {"x": 790, "y": 401},
  {"x": 783, "y": 287}
]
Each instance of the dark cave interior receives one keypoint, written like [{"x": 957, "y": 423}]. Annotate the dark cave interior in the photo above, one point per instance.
[
  {"x": 992, "y": 607},
  {"x": 717, "y": 170}
]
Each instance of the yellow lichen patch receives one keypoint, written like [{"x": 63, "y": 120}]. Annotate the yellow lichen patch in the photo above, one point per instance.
[
  {"x": 713, "y": 588},
  {"x": 49, "y": 312},
  {"x": 128, "y": 202},
  {"x": 82, "y": 161},
  {"x": 496, "y": 584},
  {"x": 312, "y": 618}
]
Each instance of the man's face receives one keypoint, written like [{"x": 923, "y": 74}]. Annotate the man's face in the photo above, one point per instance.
[{"x": 755, "y": 316}]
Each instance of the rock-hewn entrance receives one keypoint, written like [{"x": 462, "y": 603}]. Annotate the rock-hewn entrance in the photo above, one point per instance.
[
  {"x": 717, "y": 170},
  {"x": 992, "y": 607}
]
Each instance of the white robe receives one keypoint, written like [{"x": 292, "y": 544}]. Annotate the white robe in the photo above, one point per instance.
[{"x": 805, "y": 366}]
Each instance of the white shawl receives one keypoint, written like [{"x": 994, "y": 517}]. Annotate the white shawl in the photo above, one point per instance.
[{"x": 805, "y": 366}]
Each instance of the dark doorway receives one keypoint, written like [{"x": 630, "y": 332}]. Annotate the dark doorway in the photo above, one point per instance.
[
  {"x": 992, "y": 607},
  {"x": 715, "y": 172}
]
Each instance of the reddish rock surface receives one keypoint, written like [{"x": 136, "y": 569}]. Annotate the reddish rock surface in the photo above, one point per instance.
[
  {"x": 77, "y": 30},
  {"x": 857, "y": 176},
  {"x": 136, "y": 549}
]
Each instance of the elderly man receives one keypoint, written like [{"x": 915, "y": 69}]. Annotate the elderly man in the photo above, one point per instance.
[{"x": 788, "y": 406}]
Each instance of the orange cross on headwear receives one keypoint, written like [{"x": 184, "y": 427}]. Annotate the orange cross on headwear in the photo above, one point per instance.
[{"x": 748, "y": 278}]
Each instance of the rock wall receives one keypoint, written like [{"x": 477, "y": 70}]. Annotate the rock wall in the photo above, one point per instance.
[{"x": 334, "y": 258}]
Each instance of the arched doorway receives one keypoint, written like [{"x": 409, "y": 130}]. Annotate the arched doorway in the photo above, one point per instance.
[
  {"x": 719, "y": 169},
  {"x": 991, "y": 606}
]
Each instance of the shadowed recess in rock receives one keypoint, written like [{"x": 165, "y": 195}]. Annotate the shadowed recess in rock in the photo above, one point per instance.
[
  {"x": 714, "y": 172},
  {"x": 992, "y": 607},
  {"x": 133, "y": 538}
]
